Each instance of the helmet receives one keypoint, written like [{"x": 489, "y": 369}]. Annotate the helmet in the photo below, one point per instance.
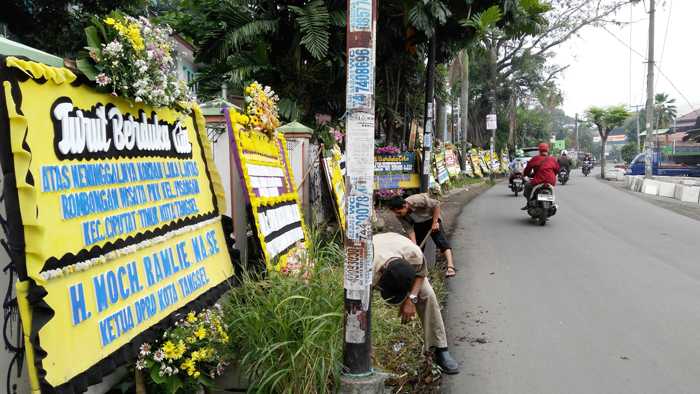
[
  {"x": 564, "y": 152},
  {"x": 543, "y": 147},
  {"x": 519, "y": 153}
]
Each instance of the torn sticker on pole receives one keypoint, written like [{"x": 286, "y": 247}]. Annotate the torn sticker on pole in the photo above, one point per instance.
[
  {"x": 360, "y": 15},
  {"x": 358, "y": 268},
  {"x": 359, "y": 150},
  {"x": 360, "y": 82},
  {"x": 355, "y": 326}
]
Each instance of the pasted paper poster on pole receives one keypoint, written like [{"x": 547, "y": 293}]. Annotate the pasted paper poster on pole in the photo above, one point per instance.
[
  {"x": 117, "y": 207},
  {"x": 360, "y": 15}
]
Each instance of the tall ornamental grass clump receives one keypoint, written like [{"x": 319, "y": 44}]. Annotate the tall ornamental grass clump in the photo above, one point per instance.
[{"x": 285, "y": 330}]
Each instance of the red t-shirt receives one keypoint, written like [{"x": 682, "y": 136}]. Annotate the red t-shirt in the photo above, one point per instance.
[{"x": 545, "y": 170}]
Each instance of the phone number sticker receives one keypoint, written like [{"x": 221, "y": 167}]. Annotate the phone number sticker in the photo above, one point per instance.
[
  {"x": 360, "y": 15},
  {"x": 360, "y": 87}
]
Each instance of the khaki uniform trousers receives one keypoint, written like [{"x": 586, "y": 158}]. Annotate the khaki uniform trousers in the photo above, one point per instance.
[{"x": 430, "y": 316}]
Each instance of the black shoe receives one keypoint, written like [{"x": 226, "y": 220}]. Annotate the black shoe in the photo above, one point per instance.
[
  {"x": 446, "y": 363},
  {"x": 525, "y": 208}
]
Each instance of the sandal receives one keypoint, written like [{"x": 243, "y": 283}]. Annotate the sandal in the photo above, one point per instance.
[{"x": 450, "y": 272}]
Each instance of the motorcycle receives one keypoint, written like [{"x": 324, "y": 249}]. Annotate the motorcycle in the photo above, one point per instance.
[
  {"x": 586, "y": 168},
  {"x": 541, "y": 205},
  {"x": 563, "y": 176},
  {"x": 517, "y": 184}
]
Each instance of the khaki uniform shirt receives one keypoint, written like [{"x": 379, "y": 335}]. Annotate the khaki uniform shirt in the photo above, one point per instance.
[
  {"x": 388, "y": 246},
  {"x": 422, "y": 208}
]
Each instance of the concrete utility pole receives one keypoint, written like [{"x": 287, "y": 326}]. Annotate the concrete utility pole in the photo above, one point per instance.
[
  {"x": 648, "y": 171},
  {"x": 358, "y": 375},
  {"x": 428, "y": 119}
]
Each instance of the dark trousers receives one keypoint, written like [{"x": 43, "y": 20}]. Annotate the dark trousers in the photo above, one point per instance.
[
  {"x": 528, "y": 190},
  {"x": 422, "y": 229}
]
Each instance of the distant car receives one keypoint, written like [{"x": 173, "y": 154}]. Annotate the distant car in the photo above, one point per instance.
[
  {"x": 637, "y": 167},
  {"x": 531, "y": 152}
]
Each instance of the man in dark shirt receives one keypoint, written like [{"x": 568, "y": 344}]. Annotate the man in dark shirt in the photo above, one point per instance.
[
  {"x": 564, "y": 161},
  {"x": 541, "y": 169}
]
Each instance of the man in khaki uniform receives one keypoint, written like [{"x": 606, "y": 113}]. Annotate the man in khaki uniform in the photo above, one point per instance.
[
  {"x": 401, "y": 275},
  {"x": 420, "y": 215}
]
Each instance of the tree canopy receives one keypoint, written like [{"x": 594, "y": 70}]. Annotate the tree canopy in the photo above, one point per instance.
[{"x": 56, "y": 26}]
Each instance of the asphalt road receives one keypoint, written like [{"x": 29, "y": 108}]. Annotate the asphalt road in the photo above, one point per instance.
[{"x": 603, "y": 299}]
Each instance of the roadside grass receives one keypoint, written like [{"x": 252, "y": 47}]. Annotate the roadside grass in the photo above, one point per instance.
[
  {"x": 398, "y": 348},
  {"x": 463, "y": 180},
  {"x": 286, "y": 331}
]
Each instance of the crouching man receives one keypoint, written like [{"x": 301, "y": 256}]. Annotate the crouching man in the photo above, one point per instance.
[{"x": 401, "y": 276}]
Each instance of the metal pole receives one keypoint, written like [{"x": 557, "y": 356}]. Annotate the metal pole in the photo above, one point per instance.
[
  {"x": 639, "y": 142},
  {"x": 576, "y": 128},
  {"x": 492, "y": 97},
  {"x": 648, "y": 171},
  {"x": 428, "y": 119},
  {"x": 359, "y": 183}
]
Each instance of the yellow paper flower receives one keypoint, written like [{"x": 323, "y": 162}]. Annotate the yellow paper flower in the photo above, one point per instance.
[
  {"x": 180, "y": 350},
  {"x": 191, "y": 317},
  {"x": 170, "y": 350},
  {"x": 200, "y": 333},
  {"x": 189, "y": 366},
  {"x": 134, "y": 36}
]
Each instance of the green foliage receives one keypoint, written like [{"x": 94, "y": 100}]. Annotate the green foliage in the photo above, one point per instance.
[
  {"x": 664, "y": 110},
  {"x": 607, "y": 118},
  {"x": 483, "y": 21},
  {"x": 314, "y": 22},
  {"x": 56, "y": 26},
  {"x": 628, "y": 152}
]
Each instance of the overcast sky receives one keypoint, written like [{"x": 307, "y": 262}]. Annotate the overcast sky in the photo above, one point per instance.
[{"x": 600, "y": 68}]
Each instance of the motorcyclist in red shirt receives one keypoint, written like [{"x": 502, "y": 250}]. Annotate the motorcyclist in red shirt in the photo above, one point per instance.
[{"x": 541, "y": 169}]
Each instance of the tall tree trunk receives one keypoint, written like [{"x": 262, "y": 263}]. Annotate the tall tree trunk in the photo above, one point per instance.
[
  {"x": 464, "y": 103},
  {"x": 440, "y": 113},
  {"x": 603, "y": 142},
  {"x": 512, "y": 119}
]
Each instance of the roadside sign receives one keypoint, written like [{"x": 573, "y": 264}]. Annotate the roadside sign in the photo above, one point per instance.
[{"x": 491, "y": 122}]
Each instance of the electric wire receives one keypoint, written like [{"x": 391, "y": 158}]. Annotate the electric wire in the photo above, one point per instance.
[
  {"x": 663, "y": 46},
  {"x": 655, "y": 66}
]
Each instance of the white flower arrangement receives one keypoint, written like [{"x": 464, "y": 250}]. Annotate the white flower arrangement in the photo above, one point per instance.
[
  {"x": 135, "y": 59},
  {"x": 127, "y": 250}
]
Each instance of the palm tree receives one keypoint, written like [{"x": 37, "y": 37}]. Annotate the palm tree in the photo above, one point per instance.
[{"x": 665, "y": 109}]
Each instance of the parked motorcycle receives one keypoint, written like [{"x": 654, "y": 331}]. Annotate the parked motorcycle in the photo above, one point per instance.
[
  {"x": 541, "y": 205},
  {"x": 563, "y": 176},
  {"x": 517, "y": 184},
  {"x": 586, "y": 168}
]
